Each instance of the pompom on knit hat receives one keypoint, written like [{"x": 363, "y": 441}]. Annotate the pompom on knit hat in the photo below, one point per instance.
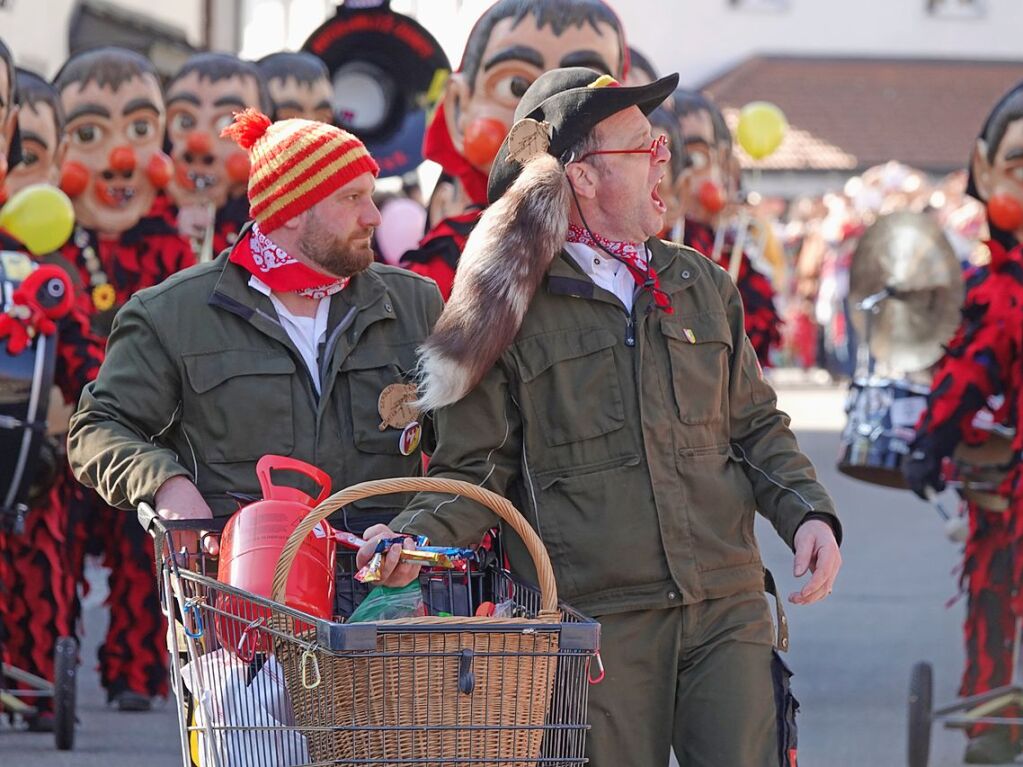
[{"x": 295, "y": 163}]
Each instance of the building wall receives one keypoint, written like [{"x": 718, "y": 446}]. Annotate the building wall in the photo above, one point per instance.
[{"x": 36, "y": 31}]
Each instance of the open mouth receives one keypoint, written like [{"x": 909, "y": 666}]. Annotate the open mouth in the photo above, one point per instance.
[
  {"x": 655, "y": 195},
  {"x": 115, "y": 196}
]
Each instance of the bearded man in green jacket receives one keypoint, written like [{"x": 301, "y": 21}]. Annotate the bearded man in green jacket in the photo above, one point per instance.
[
  {"x": 601, "y": 379},
  {"x": 284, "y": 344}
]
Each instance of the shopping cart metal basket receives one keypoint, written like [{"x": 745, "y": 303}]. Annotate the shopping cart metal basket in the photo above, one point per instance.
[{"x": 436, "y": 690}]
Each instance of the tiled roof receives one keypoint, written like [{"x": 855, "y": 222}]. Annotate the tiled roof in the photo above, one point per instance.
[{"x": 849, "y": 113}]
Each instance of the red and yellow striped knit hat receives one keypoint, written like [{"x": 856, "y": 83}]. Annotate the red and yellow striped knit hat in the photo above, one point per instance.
[{"x": 295, "y": 164}]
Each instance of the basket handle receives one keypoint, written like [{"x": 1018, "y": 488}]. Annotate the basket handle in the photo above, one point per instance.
[{"x": 500, "y": 506}]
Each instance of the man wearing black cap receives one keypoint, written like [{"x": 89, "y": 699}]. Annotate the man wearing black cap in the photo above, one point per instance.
[{"x": 601, "y": 380}]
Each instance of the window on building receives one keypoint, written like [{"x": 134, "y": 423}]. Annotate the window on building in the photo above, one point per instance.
[
  {"x": 760, "y": 5},
  {"x": 956, "y": 9}
]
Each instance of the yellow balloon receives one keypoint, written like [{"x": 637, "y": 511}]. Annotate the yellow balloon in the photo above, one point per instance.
[
  {"x": 39, "y": 216},
  {"x": 762, "y": 127}
]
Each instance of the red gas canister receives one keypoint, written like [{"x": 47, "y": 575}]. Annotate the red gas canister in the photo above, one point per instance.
[{"x": 251, "y": 545}]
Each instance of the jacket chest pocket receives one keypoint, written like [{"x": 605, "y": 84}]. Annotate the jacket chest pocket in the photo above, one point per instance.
[
  {"x": 368, "y": 373},
  {"x": 240, "y": 401},
  {"x": 572, "y": 384},
  {"x": 699, "y": 351}
]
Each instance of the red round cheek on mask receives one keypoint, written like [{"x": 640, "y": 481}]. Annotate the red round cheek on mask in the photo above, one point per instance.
[
  {"x": 159, "y": 170},
  {"x": 483, "y": 138},
  {"x": 74, "y": 178},
  {"x": 1005, "y": 212},
  {"x": 711, "y": 197},
  {"x": 238, "y": 167}
]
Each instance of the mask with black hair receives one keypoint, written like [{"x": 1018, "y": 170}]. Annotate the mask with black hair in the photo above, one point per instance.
[
  {"x": 202, "y": 98},
  {"x": 114, "y": 122},
  {"x": 299, "y": 86},
  {"x": 996, "y": 169},
  {"x": 705, "y": 180},
  {"x": 10, "y": 138},
  {"x": 40, "y": 122},
  {"x": 510, "y": 46}
]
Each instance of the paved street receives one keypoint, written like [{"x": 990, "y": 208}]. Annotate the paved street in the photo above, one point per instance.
[{"x": 851, "y": 655}]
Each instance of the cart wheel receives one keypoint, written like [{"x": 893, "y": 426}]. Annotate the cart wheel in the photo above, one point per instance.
[
  {"x": 65, "y": 670},
  {"x": 920, "y": 694}
]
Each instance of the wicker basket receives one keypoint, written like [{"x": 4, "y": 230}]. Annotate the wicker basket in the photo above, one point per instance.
[{"x": 434, "y": 689}]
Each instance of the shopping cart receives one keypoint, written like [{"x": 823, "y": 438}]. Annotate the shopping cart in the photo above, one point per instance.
[{"x": 289, "y": 689}]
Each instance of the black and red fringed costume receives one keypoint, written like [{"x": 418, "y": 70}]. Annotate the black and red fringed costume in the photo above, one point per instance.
[
  {"x": 133, "y": 656},
  {"x": 763, "y": 324},
  {"x": 39, "y": 568},
  {"x": 983, "y": 361}
]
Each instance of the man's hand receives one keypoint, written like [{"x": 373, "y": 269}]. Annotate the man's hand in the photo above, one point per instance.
[
  {"x": 178, "y": 498},
  {"x": 816, "y": 551},
  {"x": 393, "y": 572}
]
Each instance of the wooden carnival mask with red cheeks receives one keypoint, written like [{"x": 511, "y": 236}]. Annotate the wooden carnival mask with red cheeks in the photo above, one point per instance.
[
  {"x": 208, "y": 169},
  {"x": 703, "y": 185},
  {"x": 114, "y": 165},
  {"x": 480, "y": 113},
  {"x": 42, "y": 148},
  {"x": 8, "y": 121},
  {"x": 998, "y": 179}
]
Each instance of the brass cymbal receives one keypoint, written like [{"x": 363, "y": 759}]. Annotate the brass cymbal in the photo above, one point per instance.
[{"x": 909, "y": 255}]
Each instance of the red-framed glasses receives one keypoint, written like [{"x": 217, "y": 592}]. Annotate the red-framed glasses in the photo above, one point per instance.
[{"x": 655, "y": 146}]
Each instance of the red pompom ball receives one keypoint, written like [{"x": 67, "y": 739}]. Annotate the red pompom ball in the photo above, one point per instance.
[{"x": 247, "y": 128}]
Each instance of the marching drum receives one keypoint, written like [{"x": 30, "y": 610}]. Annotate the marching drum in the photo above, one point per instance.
[{"x": 882, "y": 415}]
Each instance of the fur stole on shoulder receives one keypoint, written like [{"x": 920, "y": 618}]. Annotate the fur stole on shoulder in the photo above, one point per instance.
[{"x": 505, "y": 260}]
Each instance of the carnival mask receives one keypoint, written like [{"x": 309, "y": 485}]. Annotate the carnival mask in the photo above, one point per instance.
[
  {"x": 704, "y": 182},
  {"x": 480, "y": 113},
  {"x": 42, "y": 151},
  {"x": 999, "y": 181},
  {"x": 114, "y": 166},
  {"x": 8, "y": 121},
  {"x": 207, "y": 168}
]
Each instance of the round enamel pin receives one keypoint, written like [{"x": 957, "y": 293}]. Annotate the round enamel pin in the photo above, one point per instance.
[
  {"x": 410, "y": 438},
  {"x": 395, "y": 406}
]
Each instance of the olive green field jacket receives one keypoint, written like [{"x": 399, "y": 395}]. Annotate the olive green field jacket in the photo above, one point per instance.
[
  {"x": 639, "y": 446},
  {"x": 201, "y": 380}
]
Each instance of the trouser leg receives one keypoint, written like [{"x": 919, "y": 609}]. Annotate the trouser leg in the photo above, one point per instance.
[
  {"x": 725, "y": 712},
  {"x": 38, "y": 599},
  {"x": 631, "y": 711},
  {"x": 989, "y": 627},
  {"x": 133, "y": 656}
]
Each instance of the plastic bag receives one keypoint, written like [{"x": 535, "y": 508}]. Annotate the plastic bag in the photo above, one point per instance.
[
  {"x": 385, "y": 603},
  {"x": 232, "y": 709}
]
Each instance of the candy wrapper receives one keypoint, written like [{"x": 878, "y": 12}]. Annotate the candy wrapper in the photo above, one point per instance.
[{"x": 424, "y": 554}]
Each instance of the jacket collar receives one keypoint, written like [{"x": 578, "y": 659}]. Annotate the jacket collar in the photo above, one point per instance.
[{"x": 675, "y": 267}]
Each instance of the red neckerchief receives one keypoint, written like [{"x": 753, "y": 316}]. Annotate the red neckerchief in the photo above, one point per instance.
[
  {"x": 633, "y": 255},
  {"x": 264, "y": 259}
]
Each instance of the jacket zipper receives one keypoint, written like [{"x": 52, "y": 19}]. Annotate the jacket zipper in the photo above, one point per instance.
[
  {"x": 735, "y": 446},
  {"x": 630, "y": 330}
]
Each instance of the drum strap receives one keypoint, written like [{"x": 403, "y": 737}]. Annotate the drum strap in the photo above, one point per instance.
[{"x": 781, "y": 622}]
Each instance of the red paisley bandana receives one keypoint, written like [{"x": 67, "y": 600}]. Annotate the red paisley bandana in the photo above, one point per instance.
[
  {"x": 266, "y": 260},
  {"x": 633, "y": 255}
]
